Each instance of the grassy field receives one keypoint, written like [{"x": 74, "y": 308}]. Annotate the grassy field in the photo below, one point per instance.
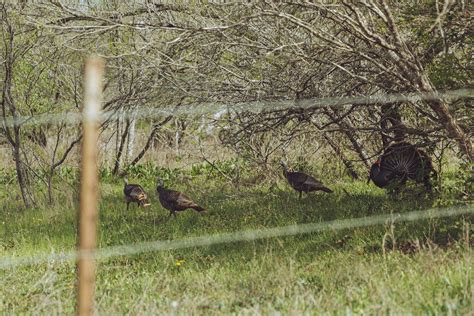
[{"x": 418, "y": 267}]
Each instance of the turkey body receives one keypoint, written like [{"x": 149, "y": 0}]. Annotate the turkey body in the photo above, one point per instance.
[
  {"x": 134, "y": 193},
  {"x": 303, "y": 182},
  {"x": 175, "y": 201},
  {"x": 401, "y": 162}
]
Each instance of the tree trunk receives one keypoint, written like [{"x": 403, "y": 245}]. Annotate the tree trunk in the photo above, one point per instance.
[
  {"x": 357, "y": 146},
  {"x": 350, "y": 133},
  {"x": 131, "y": 136},
  {"x": 118, "y": 157},
  {"x": 391, "y": 115},
  {"x": 55, "y": 164},
  {"x": 150, "y": 140},
  {"x": 453, "y": 129},
  {"x": 340, "y": 154},
  {"x": 21, "y": 175},
  {"x": 9, "y": 109}
]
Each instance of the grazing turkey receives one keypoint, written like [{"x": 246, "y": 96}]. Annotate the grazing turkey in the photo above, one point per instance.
[
  {"x": 401, "y": 162},
  {"x": 175, "y": 201},
  {"x": 302, "y": 182},
  {"x": 134, "y": 193}
]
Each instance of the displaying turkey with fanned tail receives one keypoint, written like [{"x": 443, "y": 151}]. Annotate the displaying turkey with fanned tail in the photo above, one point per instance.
[
  {"x": 401, "y": 162},
  {"x": 303, "y": 182},
  {"x": 134, "y": 193},
  {"x": 175, "y": 201}
]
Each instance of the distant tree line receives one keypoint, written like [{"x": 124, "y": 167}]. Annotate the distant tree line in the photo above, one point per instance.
[{"x": 183, "y": 53}]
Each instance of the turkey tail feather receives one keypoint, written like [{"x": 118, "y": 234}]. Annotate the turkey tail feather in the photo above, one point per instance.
[
  {"x": 145, "y": 203},
  {"x": 403, "y": 161},
  {"x": 143, "y": 200},
  {"x": 327, "y": 190},
  {"x": 198, "y": 208}
]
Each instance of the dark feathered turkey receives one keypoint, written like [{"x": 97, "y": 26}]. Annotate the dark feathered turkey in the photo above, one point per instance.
[
  {"x": 134, "y": 193},
  {"x": 175, "y": 201},
  {"x": 401, "y": 162},
  {"x": 303, "y": 182}
]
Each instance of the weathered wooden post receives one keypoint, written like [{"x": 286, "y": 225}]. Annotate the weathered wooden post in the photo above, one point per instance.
[{"x": 93, "y": 74}]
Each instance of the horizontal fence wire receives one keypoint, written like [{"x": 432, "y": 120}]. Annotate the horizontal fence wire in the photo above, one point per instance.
[
  {"x": 239, "y": 236},
  {"x": 75, "y": 118}
]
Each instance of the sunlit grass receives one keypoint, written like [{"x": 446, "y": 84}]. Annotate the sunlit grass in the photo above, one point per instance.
[{"x": 421, "y": 267}]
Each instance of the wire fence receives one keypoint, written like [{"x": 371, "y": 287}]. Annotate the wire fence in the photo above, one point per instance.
[
  {"x": 75, "y": 118},
  {"x": 239, "y": 236}
]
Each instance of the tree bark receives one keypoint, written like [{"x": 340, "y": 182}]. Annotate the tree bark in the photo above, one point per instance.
[
  {"x": 391, "y": 115},
  {"x": 13, "y": 134},
  {"x": 21, "y": 174},
  {"x": 116, "y": 169},
  {"x": 453, "y": 129},
  {"x": 340, "y": 154},
  {"x": 131, "y": 136},
  {"x": 149, "y": 141},
  {"x": 350, "y": 133}
]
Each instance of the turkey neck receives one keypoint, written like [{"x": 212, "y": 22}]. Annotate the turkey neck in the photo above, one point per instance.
[
  {"x": 374, "y": 170},
  {"x": 160, "y": 189},
  {"x": 380, "y": 177}
]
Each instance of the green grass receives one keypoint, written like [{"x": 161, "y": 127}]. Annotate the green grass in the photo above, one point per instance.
[{"x": 418, "y": 267}]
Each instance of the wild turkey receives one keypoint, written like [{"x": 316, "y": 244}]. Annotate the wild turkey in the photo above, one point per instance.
[
  {"x": 175, "y": 201},
  {"x": 401, "y": 162},
  {"x": 302, "y": 182},
  {"x": 134, "y": 193}
]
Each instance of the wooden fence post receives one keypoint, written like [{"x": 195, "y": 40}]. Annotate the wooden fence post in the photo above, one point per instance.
[{"x": 93, "y": 74}]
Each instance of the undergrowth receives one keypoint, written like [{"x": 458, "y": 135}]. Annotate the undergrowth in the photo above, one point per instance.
[{"x": 402, "y": 267}]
